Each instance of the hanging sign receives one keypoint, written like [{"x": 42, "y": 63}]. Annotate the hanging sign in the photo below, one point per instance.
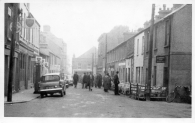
[{"x": 29, "y": 23}]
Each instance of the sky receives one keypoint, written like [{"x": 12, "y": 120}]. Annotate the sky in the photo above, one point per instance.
[{"x": 81, "y": 22}]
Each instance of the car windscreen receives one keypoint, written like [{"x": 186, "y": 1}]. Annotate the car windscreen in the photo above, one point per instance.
[{"x": 49, "y": 78}]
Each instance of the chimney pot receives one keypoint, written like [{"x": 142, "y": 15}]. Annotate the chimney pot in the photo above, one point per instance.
[{"x": 164, "y": 6}]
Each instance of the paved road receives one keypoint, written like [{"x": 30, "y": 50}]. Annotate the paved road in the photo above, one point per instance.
[{"x": 83, "y": 103}]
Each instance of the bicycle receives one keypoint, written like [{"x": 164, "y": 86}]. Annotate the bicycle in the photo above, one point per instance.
[{"x": 180, "y": 94}]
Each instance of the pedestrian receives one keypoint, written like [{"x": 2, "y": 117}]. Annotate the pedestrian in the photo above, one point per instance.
[
  {"x": 91, "y": 81},
  {"x": 75, "y": 79},
  {"x": 82, "y": 80},
  {"x": 116, "y": 82},
  {"x": 85, "y": 80},
  {"x": 109, "y": 84},
  {"x": 100, "y": 81},
  {"x": 106, "y": 81},
  {"x": 95, "y": 80}
]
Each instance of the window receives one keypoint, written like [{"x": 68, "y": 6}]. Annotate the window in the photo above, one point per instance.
[
  {"x": 137, "y": 74},
  {"x": 50, "y": 78},
  {"x": 142, "y": 81},
  {"x": 156, "y": 38},
  {"x": 148, "y": 41},
  {"x": 129, "y": 74},
  {"x": 146, "y": 76},
  {"x": 137, "y": 47},
  {"x": 9, "y": 33},
  {"x": 167, "y": 32},
  {"x": 142, "y": 45},
  {"x": 24, "y": 36},
  {"x": 154, "y": 81}
]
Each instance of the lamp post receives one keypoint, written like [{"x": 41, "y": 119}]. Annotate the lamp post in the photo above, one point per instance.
[
  {"x": 12, "y": 52},
  {"x": 150, "y": 54}
]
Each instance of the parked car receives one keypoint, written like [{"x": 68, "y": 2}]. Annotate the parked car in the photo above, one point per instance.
[
  {"x": 69, "y": 80},
  {"x": 52, "y": 83}
]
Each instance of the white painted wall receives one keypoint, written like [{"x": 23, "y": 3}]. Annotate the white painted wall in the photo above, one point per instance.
[{"x": 138, "y": 54}]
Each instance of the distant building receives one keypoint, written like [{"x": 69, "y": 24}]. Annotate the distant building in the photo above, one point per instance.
[
  {"x": 53, "y": 50},
  {"x": 86, "y": 62}
]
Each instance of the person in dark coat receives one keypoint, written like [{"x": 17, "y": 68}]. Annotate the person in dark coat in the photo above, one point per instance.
[
  {"x": 83, "y": 80},
  {"x": 95, "y": 80},
  {"x": 87, "y": 80},
  {"x": 99, "y": 81},
  {"x": 106, "y": 82},
  {"x": 75, "y": 79},
  {"x": 116, "y": 82}
]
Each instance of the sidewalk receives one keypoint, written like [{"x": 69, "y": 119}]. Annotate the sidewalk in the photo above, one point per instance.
[{"x": 22, "y": 96}]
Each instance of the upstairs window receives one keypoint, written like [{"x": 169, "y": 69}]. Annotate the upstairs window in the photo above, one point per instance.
[
  {"x": 137, "y": 47},
  {"x": 167, "y": 32},
  {"x": 142, "y": 44},
  {"x": 148, "y": 41},
  {"x": 156, "y": 37}
]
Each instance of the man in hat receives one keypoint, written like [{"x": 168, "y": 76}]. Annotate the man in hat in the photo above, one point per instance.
[{"x": 116, "y": 82}]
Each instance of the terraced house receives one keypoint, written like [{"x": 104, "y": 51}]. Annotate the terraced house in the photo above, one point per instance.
[
  {"x": 171, "y": 55},
  {"x": 172, "y": 49}
]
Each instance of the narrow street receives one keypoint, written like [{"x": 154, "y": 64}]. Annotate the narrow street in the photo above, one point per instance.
[{"x": 84, "y": 103}]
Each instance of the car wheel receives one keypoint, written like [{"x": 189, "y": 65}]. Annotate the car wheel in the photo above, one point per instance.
[
  {"x": 62, "y": 93},
  {"x": 42, "y": 95}
]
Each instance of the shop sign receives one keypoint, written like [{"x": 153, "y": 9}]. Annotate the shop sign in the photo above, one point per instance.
[
  {"x": 121, "y": 64},
  {"x": 160, "y": 59}
]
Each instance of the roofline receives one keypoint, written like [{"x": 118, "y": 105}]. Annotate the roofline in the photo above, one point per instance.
[
  {"x": 35, "y": 19},
  {"x": 173, "y": 12}
]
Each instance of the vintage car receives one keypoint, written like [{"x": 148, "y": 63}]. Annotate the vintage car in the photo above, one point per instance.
[
  {"x": 52, "y": 83},
  {"x": 69, "y": 79}
]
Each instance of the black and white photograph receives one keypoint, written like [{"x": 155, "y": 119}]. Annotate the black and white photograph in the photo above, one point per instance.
[{"x": 96, "y": 61}]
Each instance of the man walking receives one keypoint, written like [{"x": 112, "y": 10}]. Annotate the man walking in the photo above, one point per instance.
[
  {"x": 106, "y": 81},
  {"x": 75, "y": 79},
  {"x": 116, "y": 82},
  {"x": 99, "y": 81}
]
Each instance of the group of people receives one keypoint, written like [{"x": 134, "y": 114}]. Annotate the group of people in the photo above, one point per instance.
[
  {"x": 107, "y": 82},
  {"x": 88, "y": 81}
]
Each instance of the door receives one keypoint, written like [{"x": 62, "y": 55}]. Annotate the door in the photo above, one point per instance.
[{"x": 165, "y": 77}]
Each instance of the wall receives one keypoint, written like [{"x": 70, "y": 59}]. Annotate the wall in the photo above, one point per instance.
[
  {"x": 181, "y": 48},
  {"x": 138, "y": 57}
]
